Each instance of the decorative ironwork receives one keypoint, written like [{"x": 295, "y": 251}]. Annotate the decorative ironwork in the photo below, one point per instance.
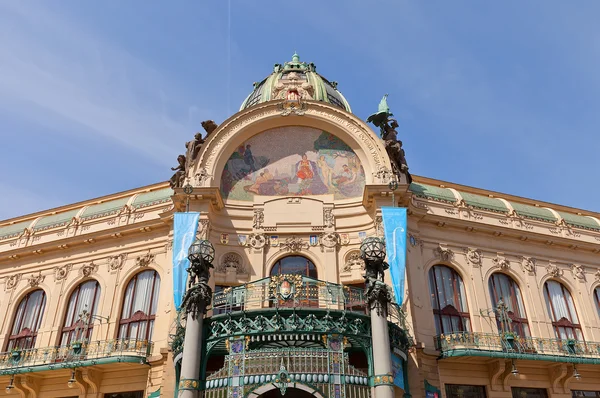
[
  {"x": 513, "y": 346},
  {"x": 199, "y": 294},
  {"x": 68, "y": 356}
]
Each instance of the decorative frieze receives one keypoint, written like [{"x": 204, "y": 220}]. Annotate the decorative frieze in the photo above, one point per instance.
[{"x": 294, "y": 244}]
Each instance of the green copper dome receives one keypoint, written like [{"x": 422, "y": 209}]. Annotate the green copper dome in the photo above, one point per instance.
[{"x": 296, "y": 78}]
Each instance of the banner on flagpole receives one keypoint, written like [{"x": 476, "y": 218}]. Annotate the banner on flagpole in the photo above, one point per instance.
[
  {"x": 394, "y": 228},
  {"x": 185, "y": 226}
]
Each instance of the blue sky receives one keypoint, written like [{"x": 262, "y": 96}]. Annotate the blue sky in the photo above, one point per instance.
[{"x": 100, "y": 97}]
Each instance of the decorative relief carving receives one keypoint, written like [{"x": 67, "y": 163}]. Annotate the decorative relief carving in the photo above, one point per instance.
[
  {"x": 231, "y": 261},
  {"x": 10, "y": 282},
  {"x": 553, "y": 270},
  {"x": 203, "y": 229},
  {"x": 379, "y": 225},
  {"x": 259, "y": 219},
  {"x": 89, "y": 269},
  {"x": 443, "y": 253},
  {"x": 329, "y": 240},
  {"x": 473, "y": 256},
  {"x": 61, "y": 273},
  {"x": 116, "y": 262},
  {"x": 353, "y": 261},
  {"x": 528, "y": 264},
  {"x": 501, "y": 261},
  {"x": 201, "y": 176},
  {"x": 294, "y": 244},
  {"x": 35, "y": 280},
  {"x": 384, "y": 175},
  {"x": 578, "y": 272},
  {"x": 328, "y": 218},
  {"x": 597, "y": 276},
  {"x": 257, "y": 241},
  {"x": 144, "y": 260}
]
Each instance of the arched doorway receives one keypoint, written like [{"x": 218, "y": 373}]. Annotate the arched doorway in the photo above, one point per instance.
[
  {"x": 295, "y": 265},
  {"x": 290, "y": 393}
]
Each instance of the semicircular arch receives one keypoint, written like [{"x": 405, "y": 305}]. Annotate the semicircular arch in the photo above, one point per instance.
[
  {"x": 272, "y": 261},
  {"x": 246, "y": 124},
  {"x": 259, "y": 390}
]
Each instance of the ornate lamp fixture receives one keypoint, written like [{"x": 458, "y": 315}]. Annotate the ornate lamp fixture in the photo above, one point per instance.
[
  {"x": 514, "y": 371},
  {"x": 372, "y": 251},
  {"x": 199, "y": 294},
  {"x": 72, "y": 380},
  {"x": 11, "y": 384},
  {"x": 576, "y": 374}
]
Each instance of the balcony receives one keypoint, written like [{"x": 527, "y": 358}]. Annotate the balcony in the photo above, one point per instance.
[
  {"x": 75, "y": 355},
  {"x": 473, "y": 344}
]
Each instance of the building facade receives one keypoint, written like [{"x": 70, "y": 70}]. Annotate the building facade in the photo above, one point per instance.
[{"x": 501, "y": 296}]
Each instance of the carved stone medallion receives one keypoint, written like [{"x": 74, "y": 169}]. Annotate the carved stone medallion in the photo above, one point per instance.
[
  {"x": 578, "y": 272},
  {"x": 35, "y": 280},
  {"x": 89, "y": 269},
  {"x": 443, "y": 253},
  {"x": 329, "y": 239},
  {"x": 12, "y": 281},
  {"x": 116, "y": 262},
  {"x": 553, "y": 270},
  {"x": 528, "y": 264},
  {"x": 501, "y": 261},
  {"x": 473, "y": 256},
  {"x": 257, "y": 241},
  {"x": 61, "y": 273}
]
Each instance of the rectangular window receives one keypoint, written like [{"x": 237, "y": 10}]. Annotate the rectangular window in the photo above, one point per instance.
[
  {"x": 459, "y": 391},
  {"x": 519, "y": 392},
  {"x": 590, "y": 394}
]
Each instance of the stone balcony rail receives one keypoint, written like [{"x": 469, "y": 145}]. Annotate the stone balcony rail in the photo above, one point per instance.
[
  {"x": 508, "y": 345},
  {"x": 78, "y": 354}
]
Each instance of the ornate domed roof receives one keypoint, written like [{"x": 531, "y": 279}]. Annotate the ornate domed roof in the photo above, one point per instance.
[{"x": 299, "y": 79}]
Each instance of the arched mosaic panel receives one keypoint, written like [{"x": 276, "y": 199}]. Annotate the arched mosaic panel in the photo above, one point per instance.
[{"x": 293, "y": 161}]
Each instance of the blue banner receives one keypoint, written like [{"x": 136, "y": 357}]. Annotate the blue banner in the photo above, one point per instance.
[
  {"x": 185, "y": 226},
  {"x": 394, "y": 228},
  {"x": 397, "y": 371}
]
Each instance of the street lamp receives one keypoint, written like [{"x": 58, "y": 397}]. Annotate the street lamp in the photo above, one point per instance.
[
  {"x": 201, "y": 250},
  {"x": 372, "y": 250},
  {"x": 393, "y": 185}
]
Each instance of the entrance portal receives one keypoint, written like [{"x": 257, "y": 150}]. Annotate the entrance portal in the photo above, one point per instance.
[{"x": 290, "y": 393}]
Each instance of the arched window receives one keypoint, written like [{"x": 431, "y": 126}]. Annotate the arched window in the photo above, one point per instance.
[
  {"x": 562, "y": 311},
  {"x": 503, "y": 287},
  {"x": 448, "y": 300},
  {"x": 84, "y": 298},
  {"x": 27, "y": 320},
  {"x": 597, "y": 297},
  {"x": 139, "y": 306},
  {"x": 295, "y": 265}
]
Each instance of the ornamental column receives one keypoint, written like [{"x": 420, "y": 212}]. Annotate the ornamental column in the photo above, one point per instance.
[
  {"x": 197, "y": 297},
  {"x": 378, "y": 297}
]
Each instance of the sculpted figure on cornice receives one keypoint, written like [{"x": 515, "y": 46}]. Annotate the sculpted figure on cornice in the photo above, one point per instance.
[
  {"x": 383, "y": 119},
  {"x": 193, "y": 147},
  {"x": 178, "y": 178}
]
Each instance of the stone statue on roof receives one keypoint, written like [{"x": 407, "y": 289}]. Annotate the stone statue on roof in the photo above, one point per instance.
[{"x": 387, "y": 127}]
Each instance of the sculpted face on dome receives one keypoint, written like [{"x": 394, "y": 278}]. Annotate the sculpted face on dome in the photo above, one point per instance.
[{"x": 293, "y": 161}]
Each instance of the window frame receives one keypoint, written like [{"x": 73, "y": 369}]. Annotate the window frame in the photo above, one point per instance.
[
  {"x": 519, "y": 322},
  {"x": 562, "y": 322},
  {"x": 29, "y": 335},
  {"x": 449, "y": 310},
  {"x": 78, "y": 324},
  {"x": 137, "y": 317}
]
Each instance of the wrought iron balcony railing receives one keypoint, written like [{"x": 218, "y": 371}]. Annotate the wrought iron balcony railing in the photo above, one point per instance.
[
  {"x": 511, "y": 346},
  {"x": 285, "y": 291},
  {"x": 77, "y": 354}
]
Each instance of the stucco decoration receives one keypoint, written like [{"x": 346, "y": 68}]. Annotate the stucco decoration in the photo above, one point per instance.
[
  {"x": 61, "y": 273},
  {"x": 144, "y": 260},
  {"x": 501, "y": 261},
  {"x": 259, "y": 219},
  {"x": 232, "y": 133},
  {"x": 294, "y": 244},
  {"x": 528, "y": 264},
  {"x": 553, "y": 270},
  {"x": 293, "y": 160},
  {"x": 578, "y": 272},
  {"x": 353, "y": 261},
  {"x": 10, "y": 282},
  {"x": 35, "y": 280},
  {"x": 379, "y": 225},
  {"x": 89, "y": 269},
  {"x": 116, "y": 262},
  {"x": 203, "y": 232},
  {"x": 328, "y": 218},
  {"x": 231, "y": 260},
  {"x": 443, "y": 253},
  {"x": 473, "y": 256},
  {"x": 257, "y": 241},
  {"x": 597, "y": 275},
  {"x": 329, "y": 240}
]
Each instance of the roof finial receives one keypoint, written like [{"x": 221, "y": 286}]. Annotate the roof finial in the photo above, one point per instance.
[{"x": 295, "y": 57}]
